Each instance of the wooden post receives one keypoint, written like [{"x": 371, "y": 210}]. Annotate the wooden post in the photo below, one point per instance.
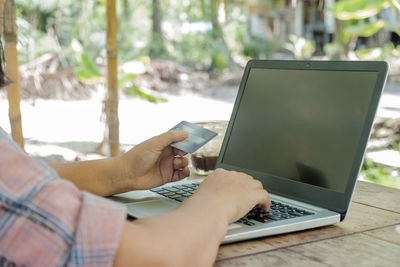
[
  {"x": 11, "y": 71},
  {"x": 112, "y": 79}
]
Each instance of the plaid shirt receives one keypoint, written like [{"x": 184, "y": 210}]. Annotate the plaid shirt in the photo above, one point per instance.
[{"x": 47, "y": 221}]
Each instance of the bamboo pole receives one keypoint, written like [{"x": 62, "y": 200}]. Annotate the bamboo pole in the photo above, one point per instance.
[
  {"x": 1, "y": 16},
  {"x": 112, "y": 79},
  {"x": 11, "y": 71}
]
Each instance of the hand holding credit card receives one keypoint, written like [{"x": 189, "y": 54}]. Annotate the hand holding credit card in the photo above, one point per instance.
[{"x": 198, "y": 136}]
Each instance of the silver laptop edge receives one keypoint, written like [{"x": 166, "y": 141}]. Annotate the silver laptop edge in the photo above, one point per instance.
[{"x": 146, "y": 203}]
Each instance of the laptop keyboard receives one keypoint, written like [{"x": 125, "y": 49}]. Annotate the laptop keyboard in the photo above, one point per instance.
[
  {"x": 277, "y": 212},
  {"x": 177, "y": 192}
]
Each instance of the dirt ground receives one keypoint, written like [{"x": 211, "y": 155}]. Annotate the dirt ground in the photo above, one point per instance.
[{"x": 63, "y": 119}]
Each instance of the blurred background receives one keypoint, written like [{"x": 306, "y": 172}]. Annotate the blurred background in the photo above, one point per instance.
[{"x": 176, "y": 60}]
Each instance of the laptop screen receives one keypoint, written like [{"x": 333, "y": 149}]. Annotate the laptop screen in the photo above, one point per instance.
[{"x": 302, "y": 125}]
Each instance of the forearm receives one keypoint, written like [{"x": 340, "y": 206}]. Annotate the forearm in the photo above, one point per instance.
[
  {"x": 96, "y": 176},
  {"x": 187, "y": 236}
]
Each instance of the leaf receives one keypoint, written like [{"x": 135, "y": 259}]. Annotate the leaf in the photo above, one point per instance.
[
  {"x": 90, "y": 66},
  {"x": 378, "y": 174},
  {"x": 87, "y": 70},
  {"x": 377, "y": 53},
  {"x": 220, "y": 61},
  {"x": 369, "y": 54},
  {"x": 124, "y": 78},
  {"x": 364, "y": 29},
  {"x": 82, "y": 75},
  {"x": 358, "y": 9},
  {"x": 133, "y": 90}
]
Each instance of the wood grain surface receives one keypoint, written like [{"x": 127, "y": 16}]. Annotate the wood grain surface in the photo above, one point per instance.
[{"x": 369, "y": 236}]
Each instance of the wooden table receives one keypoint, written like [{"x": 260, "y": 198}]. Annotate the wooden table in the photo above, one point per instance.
[{"x": 369, "y": 236}]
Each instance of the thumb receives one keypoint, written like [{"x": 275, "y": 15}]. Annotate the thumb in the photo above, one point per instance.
[{"x": 170, "y": 137}]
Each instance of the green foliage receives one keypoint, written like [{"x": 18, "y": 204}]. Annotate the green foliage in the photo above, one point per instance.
[
  {"x": 31, "y": 42},
  {"x": 125, "y": 78},
  {"x": 157, "y": 48},
  {"x": 133, "y": 90},
  {"x": 50, "y": 26},
  {"x": 236, "y": 35},
  {"x": 217, "y": 4},
  {"x": 273, "y": 4},
  {"x": 186, "y": 49},
  {"x": 201, "y": 51},
  {"x": 87, "y": 71},
  {"x": 255, "y": 47},
  {"x": 219, "y": 54},
  {"x": 41, "y": 12},
  {"x": 394, "y": 144},
  {"x": 364, "y": 29},
  {"x": 300, "y": 47},
  {"x": 334, "y": 50},
  {"x": 355, "y": 21},
  {"x": 380, "y": 175},
  {"x": 44, "y": 6},
  {"x": 359, "y": 9},
  {"x": 379, "y": 53},
  {"x": 128, "y": 74}
]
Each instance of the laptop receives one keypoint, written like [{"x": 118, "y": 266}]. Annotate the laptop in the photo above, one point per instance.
[{"x": 299, "y": 127}]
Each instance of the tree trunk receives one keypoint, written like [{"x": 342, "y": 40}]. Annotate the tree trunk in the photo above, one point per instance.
[
  {"x": 156, "y": 17},
  {"x": 157, "y": 47},
  {"x": 112, "y": 79},
  {"x": 11, "y": 71},
  {"x": 218, "y": 36},
  {"x": 214, "y": 19}
]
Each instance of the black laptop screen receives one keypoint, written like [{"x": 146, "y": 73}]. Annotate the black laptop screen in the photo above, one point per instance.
[{"x": 303, "y": 125}]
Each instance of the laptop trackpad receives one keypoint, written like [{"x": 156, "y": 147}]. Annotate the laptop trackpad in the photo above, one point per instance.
[{"x": 151, "y": 207}]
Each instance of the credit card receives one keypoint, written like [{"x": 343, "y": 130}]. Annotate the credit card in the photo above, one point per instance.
[{"x": 198, "y": 136}]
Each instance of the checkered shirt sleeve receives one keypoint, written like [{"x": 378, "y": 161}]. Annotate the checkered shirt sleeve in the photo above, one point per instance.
[{"x": 47, "y": 221}]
